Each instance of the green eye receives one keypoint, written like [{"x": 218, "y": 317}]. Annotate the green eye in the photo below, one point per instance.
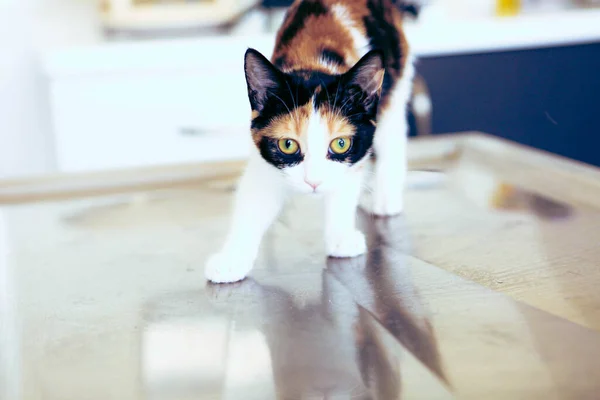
[
  {"x": 288, "y": 146},
  {"x": 340, "y": 145}
]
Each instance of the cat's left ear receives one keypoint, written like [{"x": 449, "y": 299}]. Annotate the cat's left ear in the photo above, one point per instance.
[
  {"x": 368, "y": 73},
  {"x": 262, "y": 78}
]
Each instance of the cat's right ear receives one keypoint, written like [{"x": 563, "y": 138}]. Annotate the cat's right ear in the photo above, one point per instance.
[
  {"x": 368, "y": 73},
  {"x": 262, "y": 78}
]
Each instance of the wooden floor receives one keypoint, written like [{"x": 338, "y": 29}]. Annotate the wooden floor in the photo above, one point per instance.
[{"x": 486, "y": 288}]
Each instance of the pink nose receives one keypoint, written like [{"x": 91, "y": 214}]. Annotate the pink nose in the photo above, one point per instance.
[{"x": 313, "y": 185}]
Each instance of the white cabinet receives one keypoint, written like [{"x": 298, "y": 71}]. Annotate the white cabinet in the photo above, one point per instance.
[
  {"x": 149, "y": 104},
  {"x": 148, "y": 119}
]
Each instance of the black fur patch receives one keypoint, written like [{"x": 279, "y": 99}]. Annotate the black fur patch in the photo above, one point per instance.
[
  {"x": 306, "y": 9},
  {"x": 310, "y": 80},
  {"x": 269, "y": 150},
  {"x": 279, "y": 62},
  {"x": 333, "y": 57},
  {"x": 362, "y": 140},
  {"x": 384, "y": 36},
  {"x": 407, "y": 7}
]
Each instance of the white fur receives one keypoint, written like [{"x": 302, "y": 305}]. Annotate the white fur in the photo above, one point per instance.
[
  {"x": 386, "y": 197},
  {"x": 329, "y": 66},
  {"x": 315, "y": 158},
  {"x": 257, "y": 203},
  {"x": 342, "y": 239},
  {"x": 360, "y": 41},
  {"x": 262, "y": 192}
]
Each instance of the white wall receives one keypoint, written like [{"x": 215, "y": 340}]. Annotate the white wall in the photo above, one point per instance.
[{"x": 28, "y": 27}]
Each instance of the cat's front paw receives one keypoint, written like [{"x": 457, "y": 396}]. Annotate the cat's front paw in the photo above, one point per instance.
[
  {"x": 347, "y": 244},
  {"x": 227, "y": 268}
]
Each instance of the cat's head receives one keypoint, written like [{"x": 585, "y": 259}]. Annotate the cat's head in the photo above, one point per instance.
[{"x": 315, "y": 128}]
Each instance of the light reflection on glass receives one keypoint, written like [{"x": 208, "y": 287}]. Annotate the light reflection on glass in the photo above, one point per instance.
[
  {"x": 181, "y": 358},
  {"x": 194, "y": 353}
]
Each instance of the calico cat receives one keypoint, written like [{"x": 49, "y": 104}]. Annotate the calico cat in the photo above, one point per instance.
[{"x": 335, "y": 92}]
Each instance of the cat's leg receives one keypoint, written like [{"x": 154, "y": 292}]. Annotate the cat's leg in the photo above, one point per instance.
[
  {"x": 342, "y": 239},
  {"x": 391, "y": 163},
  {"x": 257, "y": 203}
]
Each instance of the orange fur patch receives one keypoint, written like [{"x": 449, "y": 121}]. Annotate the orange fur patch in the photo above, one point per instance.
[
  {"x": 318, "y": 33},
  {"x": 291, "y": 125},
  {"x": 337, "y": 125}
]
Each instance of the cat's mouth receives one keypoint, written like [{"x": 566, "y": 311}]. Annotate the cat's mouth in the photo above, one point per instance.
[{"x": 313, "y": 192}]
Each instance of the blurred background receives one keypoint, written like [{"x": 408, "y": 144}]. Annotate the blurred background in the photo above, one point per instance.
[{"x": 93, "y": 85}]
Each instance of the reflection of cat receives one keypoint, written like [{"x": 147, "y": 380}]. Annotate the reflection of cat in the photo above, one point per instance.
[
  {"x": 327, "y": 349},
  {"x": 392, "y": 298},
  {"x": 333, "y": 348}
]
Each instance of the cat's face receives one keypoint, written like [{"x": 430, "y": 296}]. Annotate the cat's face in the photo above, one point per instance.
[{"x": 315, "y": 128}]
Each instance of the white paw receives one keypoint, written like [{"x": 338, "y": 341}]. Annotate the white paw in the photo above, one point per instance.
[
  {"x": 227, "y": 268},
  {"x": 382, "y": 202},
  {"x": 348, "y": 244}
]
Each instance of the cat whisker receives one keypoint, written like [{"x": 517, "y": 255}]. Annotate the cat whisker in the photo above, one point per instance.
[
  {"x": 283, "y": 102},
  {"x": 366, "y": 188},
  {"x": 326, "y": 91},
  {"x": 291, "y": 94},
  {"x": 329, "y": 113},
  {"x": 296, "y": 97},
  {"x": 351, "y": 98},
  {"x": 295, "y": 116},
  {"x": 337, "y": 90},
  {"x": 355, "y": 114}
]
